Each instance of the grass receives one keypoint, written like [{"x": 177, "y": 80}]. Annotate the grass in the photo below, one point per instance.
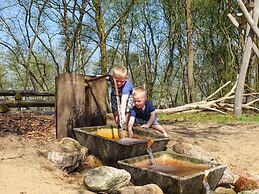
[{"x": 210, "y": 116}]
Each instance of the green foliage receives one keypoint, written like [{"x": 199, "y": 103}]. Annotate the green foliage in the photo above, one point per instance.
[
  {"x": 210, "y": 116},
  {"x": 218, "y": 53},
  {"x": 42, "y": 69}
]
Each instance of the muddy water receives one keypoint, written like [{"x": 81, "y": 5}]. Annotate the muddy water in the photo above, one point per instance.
[
  {"x": 171, "y": 166},
  {"x": 113, "y": 133},
  {"x": 110, "y": 133}
]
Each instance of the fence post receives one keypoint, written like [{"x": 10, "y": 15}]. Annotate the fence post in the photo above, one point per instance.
[{"x": 70, "y": 103}]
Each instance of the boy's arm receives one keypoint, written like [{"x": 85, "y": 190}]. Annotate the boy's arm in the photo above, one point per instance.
[
  {"x": 150, "y": 120},
  {"x": 124, "y": 99},
  {"x": 130, "y": 125}
]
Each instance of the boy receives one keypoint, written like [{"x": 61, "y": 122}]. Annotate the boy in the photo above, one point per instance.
[
  {"x": 125, "y": 88},
  {"x": 143, "y": 113}
]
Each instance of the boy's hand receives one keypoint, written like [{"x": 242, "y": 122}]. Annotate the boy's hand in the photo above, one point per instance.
[
  {"x": 145, "y": 126},
  {"x": 130, "y": 134},
  {"x": 123, "y": 118}
]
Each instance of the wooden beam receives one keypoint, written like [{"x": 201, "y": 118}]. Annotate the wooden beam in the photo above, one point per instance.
[
  {"x": 236, "y": 24},
  {"x": 249, "y": 19},
  {"x": 90, "y": 79},
  {"x": 25, "y": 93},
  {"x": 27, "y": 103},
  {"x": 246, "y": 55}
]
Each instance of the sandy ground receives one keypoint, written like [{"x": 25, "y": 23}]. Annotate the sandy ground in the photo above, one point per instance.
[{"x": 23, "y": 171}]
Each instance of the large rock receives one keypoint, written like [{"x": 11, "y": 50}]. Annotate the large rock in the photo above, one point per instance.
[
  {"x": 192, "y": 151},
  {"x": 106, "y": 179},
  {"x": 222, "y": 190},
  {"x": 146, "y": 189},
  {"x": 68, "y": 154},
  {"x": 228, "y": 178},
  {"x": 247, "y": 182}
]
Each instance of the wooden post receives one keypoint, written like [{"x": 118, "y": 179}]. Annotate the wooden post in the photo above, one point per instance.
[
  {"x": 70, "y": 103},
  {"x": 79, "y": 103},
  {"x": 96, "y": 108},
  {"x": 246, "y": 56}
]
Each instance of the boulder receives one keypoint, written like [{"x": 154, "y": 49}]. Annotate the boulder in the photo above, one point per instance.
[
  {"x": 68, "y": 154},
  {"x": 192, "y": 151},
  {"x": 106, "y": 179},
  {"x": 146, "y": 189},
  {"x": 247, "y": 182}
]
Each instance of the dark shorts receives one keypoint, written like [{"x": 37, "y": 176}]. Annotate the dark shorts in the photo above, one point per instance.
[{"x": 142, "y": 121}]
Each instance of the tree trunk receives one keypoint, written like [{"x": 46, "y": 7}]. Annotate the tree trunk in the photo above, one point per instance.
[
  {"x": 67, "y": 39},
  {"x": 101, "y": 33},
  {"x": 191, "y": 85}
]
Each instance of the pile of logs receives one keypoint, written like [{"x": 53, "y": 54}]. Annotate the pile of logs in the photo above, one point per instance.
[{"x": 222, "y": 105}]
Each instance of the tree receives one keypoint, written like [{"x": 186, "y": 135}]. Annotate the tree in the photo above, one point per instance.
[
  {"x": 191, "y": 84},
  {"x": 104, "y": 31},
  {"x": 23, "y": 37}
]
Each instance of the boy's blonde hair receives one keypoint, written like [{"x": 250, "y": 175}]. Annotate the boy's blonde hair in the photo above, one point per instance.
[
  {"x": 120, "y": 71},
  {"x": 139, "y": 91}
]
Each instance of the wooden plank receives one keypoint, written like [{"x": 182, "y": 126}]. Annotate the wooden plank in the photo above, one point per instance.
[
  {"x": 70, "y": 103},
  {"x": 96, "y": 102},
  {"x": 27, "y": 103},
  {"x": 25, "y": 93}
]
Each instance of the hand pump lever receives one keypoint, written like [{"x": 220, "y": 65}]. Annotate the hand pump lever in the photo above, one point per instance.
[{"x": 120, "y": 128}]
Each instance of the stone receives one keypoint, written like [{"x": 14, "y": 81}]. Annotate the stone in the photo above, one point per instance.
[
  {"x": 222, "y": 190},
  {"x": 106, "y": 179},
  {"x": 191, "y": 150},
  {"x": 250, "y": 192},
  {"x": 228, "y": 178},
  {"x": 68, "y": 154},
  {"x": 146, "y": 189},
  {"x": 246, "y": 182}
]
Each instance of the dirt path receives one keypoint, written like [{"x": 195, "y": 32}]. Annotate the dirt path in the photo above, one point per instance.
[{"x": 23, "y": 171}]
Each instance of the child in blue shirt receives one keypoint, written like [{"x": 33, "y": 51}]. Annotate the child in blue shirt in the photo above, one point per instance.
[
  {"x": 125, "y": 88},
  {"x": 143, "y": 113}
]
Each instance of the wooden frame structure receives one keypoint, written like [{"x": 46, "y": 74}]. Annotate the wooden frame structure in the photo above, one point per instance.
[
  {"x": 80, "y": 102},
  {"x": 251, "y": 35}
]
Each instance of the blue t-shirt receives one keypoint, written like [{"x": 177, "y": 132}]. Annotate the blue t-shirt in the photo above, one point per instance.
[
  {"x": 127, "y": 88},
  {"x": 143, "y": 114}
]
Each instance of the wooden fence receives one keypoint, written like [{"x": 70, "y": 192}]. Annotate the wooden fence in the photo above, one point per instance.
[{"x": 22, "y": 99}]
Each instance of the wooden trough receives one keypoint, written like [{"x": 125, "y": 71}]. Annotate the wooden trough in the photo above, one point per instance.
[
  {"x": 111, "y": 149},
  {"x": 173, "y": 173}
]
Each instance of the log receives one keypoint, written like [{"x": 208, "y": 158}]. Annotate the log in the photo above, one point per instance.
[
  {"x": 25, "y": 93},
  {"x": 222, "y": 105},
  {"x": 27, "y": 103}
]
